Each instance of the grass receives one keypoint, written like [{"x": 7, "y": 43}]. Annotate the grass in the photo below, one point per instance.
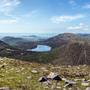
[{"x": 19, "y": 75}]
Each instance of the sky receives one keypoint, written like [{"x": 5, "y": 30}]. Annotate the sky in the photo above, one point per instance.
[{"x": 44, "y": 16}]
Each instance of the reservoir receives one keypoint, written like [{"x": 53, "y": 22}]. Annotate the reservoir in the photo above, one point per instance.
[{"x": 40, "y": 48}]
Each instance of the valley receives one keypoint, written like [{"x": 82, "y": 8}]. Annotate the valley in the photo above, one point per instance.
[
  {"x": 67, "y": 49},
  {"x": 23, "y": 62}
]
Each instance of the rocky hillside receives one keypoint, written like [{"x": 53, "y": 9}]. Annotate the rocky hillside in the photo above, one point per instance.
[
  {"x": 11, "y": 51},
  {"x": 68, "y": 49},
  {"x": 74, "y": 53},
  {"x": 3, "y": 45},
  {"x": 21, "y": 43},
  {"x": 12, "y": 40},
  {"x": 26, "y": 45},
  {"x": 62, "y": 39},
  {"x": 21, "y": 75}
]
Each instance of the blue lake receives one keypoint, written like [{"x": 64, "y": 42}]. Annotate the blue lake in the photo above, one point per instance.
[{"x": 40, "y": 48}]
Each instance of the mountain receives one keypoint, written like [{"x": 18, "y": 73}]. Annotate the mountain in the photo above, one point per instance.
[
  {"x": 7, "y": 50},
  {"x": 26, "y": 45},
  {"x": 59, "y": 40},
  {"x": 24, "y": 42},
  {"x": 64, "y": 38},
  {"x": 73, "y": 53},
  {"x": 12, "y": 40},
  {"x": 21, "y": 43},
  {"x": 3, "y": 45},
  {"x": 87, "y": 36},
  {"x": 34, "y": 38},
  {"x": 68, "y": 49}
]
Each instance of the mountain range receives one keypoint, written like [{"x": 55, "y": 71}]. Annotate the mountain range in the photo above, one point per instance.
[{"x": 67, "y": 49}]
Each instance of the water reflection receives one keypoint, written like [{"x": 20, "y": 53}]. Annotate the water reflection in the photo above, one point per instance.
[{"x": 40, "y": 48}]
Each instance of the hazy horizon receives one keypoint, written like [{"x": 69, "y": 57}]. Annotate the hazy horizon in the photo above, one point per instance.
[{"x": 36, "y": 34}]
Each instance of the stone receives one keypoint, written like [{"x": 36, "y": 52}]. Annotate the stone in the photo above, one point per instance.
[
  {"x": 88, "y": 88},
  {"x": 85, "y": 84},
  {"x": 58, "y": 87},
  {"x": 29, "y": 77},
  {"x": 34, "y": 71},
  {"x": 4, "y": 88}
]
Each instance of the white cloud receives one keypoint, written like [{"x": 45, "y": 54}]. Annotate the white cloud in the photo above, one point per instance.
[
  {"x": 81, "y": 26},
  {"x": 65, "y": 18},
  {"x": 87, "y": 6},
  {"x": 19, "y": 19},
  {"x": 7, "y": 6},
  {"x": 8, "y": 21},
  {"x": 30, "y": 14},
  {"x": 24, "y": 17},
  {"x": 72, "y": 2}
]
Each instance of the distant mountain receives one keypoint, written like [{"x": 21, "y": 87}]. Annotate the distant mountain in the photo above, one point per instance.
[
  {"x": 34, "y": 38},
  {"x": 4, "y": 45},
  {"x": 85, "y": 36},
  {"x": 6, "y": 50},
  {"x": 26, "y": 45},
  {"x": 12, "y": 40},
  {"x": 21, "y": 43},
  {"x": 64, "y": 38},
  {"x": 10, "y": 51},
  {"x": 59, "y": 40},
  {"x": 67, "y": 49}
]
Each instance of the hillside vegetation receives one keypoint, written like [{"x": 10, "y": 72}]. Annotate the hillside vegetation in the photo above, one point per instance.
[
  {"x": 67, "y": 49},
  {"x": 22, "y": 75}
]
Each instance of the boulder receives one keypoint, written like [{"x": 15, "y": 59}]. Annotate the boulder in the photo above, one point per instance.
[{"x": 4, "y": 88}]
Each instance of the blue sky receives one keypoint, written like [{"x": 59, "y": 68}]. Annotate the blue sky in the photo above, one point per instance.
[{"x": 44, "y": 16}]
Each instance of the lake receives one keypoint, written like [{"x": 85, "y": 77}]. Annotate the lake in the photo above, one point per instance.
[{"x": 40, "y": 48}]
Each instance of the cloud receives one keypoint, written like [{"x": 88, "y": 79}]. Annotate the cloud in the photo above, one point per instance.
[
  {"x": 30, "y": 14},
  {"x": 87, "y": 6},
  {"x": 65, "y": 18},
  {"x": 8, "y": 21},
  {"x": 8, "y": 6},
  {"x": 72, "y": 2},
  {"x": 81, "y": 26},
  {"x": 19, "y": 19}
]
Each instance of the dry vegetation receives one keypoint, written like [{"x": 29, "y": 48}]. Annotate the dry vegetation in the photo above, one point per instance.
[{"x": 22, "y": 75}]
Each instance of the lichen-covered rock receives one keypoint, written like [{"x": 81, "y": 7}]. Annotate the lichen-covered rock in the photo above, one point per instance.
[
  {"x": 34, "y": 71},
  {"x": 4, "y": 88},
  {"x": 88, "y": 88}
]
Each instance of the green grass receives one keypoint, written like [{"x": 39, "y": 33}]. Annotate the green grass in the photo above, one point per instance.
[{"x": 18, "y": 75}]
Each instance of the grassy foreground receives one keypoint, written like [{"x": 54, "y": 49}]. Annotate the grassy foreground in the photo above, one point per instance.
[{"x": 22, "y": 75}]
